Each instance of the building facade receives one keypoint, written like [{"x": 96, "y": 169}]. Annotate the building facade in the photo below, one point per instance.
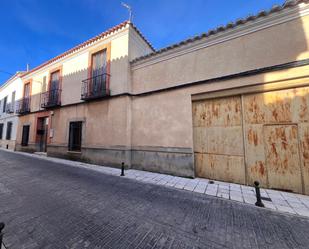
[
  {"x": 10, "y": 92},
  {"x": 231, "y": 104}
]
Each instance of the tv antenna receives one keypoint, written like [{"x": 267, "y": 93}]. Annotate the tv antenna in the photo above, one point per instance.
[{"x": 128, "y": 7}]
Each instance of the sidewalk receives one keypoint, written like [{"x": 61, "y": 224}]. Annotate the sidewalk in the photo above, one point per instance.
[{"x": 277, "y": 200}]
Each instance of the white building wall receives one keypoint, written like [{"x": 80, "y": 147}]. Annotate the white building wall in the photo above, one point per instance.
[{"x": 6, "y": 90}]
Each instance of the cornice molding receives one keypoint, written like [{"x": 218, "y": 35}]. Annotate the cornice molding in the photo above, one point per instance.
[{"x": 221, "y": 37}]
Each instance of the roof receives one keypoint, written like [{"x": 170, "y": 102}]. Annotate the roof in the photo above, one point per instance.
[
  {"x": 17, "y": 74},
  {"x": 231, "y": 25},
  {"x": 91, "y": 40}
]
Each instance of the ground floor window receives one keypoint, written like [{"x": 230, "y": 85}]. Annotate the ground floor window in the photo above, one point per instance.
[
  {"x": 25, "y": 135},
  {"x": 75, "y": 136},
  {"x": 1, "y": 130},
  {"x": 8, "y": 130}
]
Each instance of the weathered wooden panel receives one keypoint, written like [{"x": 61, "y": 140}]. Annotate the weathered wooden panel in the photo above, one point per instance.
[
  {"x": 304, "y": 145},
  {"x": 200, "y": 139},
  {"x": 276, "y": 155},
  {"x": 225, "y": 140},
  {"x": 220, "y": 167},
  {"x": 217, "y": 112},
  {"x": 301, "y": 105},
  {"x": 255, "y": 156},
  {"x": 282, "y": 157},
  {"x": 278, "y": 106},
  {"x": 254, "y": 110},
  {"x": 218, "y": 140}
]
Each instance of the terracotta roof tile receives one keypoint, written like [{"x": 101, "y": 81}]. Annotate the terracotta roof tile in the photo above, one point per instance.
[
  {"x": 231, "y": 25},
  {"x": 91, "y": 40}
]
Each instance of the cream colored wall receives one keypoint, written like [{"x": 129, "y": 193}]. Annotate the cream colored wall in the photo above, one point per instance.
[
  {"x": 119, "y": 64},
  {"x": 104, "y": 123},
  {"x": 278, "y": 44},
  {"x": 137, "y": 46},
  {"x": 162, "y": 120},
  {"x": 75, "y": 69},
  {"x": 36, "y": 89}
]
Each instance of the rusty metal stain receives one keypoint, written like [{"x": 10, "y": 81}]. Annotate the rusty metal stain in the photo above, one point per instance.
[
  {"x": 278, "y": 106},
  {"x": 304, "y": 144},
  {"x": 255, "y": 156},
  {"x": 272, "y": 155},
  {"x": 254, "y": 109},
  {"x": 217, "y": 112},
  {"x": 282, "y": 157},
  {"x": 220, "y": 167},
  {"x": 218, "y": 142}
]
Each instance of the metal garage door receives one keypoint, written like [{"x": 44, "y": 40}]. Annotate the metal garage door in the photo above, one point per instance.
[{"x": 218, "y": 140}]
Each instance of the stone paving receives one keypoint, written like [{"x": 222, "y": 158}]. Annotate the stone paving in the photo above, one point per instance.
[
  {"x": 279, "y": 200},
  {"x": 48, "y": 204}
]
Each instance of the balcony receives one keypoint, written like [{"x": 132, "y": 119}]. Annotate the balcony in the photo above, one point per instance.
[
  {"x": 9, "y": 108},
  {"x": 95, "y": 87},
  {"x": 23, "y": 106},
  {"x": 51, "y": 99}
]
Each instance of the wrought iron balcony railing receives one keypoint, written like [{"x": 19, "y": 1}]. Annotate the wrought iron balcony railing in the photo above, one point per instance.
[
  {"x": 95, "y": 87},
  {"x": 23, "y": 105},
  {"x": 51, "y": 98},
  {"x": 9, "y": 108}
]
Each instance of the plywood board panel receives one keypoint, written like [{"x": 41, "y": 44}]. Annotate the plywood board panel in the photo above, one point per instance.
[
  {"x": 255, "y": 156},
  {"x": 220, "y": 167},
  {"x": 282, "y": 157}
]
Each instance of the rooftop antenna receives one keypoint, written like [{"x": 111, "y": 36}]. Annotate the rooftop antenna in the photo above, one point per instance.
[
  {"x": 27, "y": 67},
  {"x": 129, "y": 9}
]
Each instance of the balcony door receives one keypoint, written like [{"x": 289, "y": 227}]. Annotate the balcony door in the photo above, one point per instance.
[
  {"x": 54, "y": 87},
  {"x": 26, "y": 101},
  {"x": 98, "y": 71},
  {"x": 27, "y": 91}
]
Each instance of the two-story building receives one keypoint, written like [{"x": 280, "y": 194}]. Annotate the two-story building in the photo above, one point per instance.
[
  {"x": 10, "y": 92},
  {"x": 76, "y": 104},
  {"x": 230, "y": 104}
]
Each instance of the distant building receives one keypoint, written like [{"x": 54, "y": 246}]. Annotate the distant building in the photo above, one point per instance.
[
  {"x": 231, "y": 104},
  {"x": 10, "y": 91}
]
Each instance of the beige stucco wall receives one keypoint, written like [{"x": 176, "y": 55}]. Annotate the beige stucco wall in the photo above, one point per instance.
[
  {"x": 104, "y": 123},
  {"x": 275, "y": 45}
]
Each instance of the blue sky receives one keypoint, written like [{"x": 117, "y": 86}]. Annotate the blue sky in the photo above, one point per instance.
[{"x": 33, "y": 31}]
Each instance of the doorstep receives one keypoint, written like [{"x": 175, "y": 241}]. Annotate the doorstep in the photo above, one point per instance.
[{"x": 276, "y": 200}]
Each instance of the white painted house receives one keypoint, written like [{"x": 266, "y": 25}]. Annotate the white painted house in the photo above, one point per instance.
[{"x": 10, "y": 92}]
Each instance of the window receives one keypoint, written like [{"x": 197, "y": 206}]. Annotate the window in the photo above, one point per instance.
[
  {"x": 27, "y": 91},
  {"x": 75, "y": 136},
  {"x": 44, "y": 86},
  {"x": 25, "y": 135},
  {"x": 8, "y": 130},
  {"x": 4, "y": 104},
  {"x": 1, "y": 130},
  {"x": 98, "y": 70},
  {"x": 13, "y": 101}
]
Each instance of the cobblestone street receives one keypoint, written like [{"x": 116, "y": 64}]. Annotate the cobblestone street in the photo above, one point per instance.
[{"x": 49, "y": 205}]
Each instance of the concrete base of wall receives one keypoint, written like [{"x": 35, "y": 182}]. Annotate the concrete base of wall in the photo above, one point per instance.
[
  {"x": 101, "y": 156},
  {"x": 174, "y": 161},
  {"x": 7, "y": 144},
  {"x": 30, "y": 148}
]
